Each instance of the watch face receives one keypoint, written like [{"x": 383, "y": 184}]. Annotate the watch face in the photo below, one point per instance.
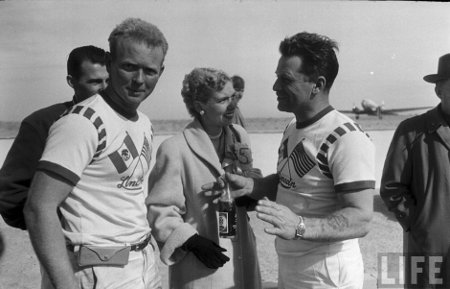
[{"x": 301, "y": 228}]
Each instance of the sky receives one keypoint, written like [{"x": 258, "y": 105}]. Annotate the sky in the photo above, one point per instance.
[{"x": 386, "y": 47}]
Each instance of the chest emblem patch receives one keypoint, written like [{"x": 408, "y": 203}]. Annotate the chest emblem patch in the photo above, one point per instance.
[
  {"x": 131, "y": 164},
  {"x": 298, "y": 163},
  {"x": 125, "y": 155},
  {"x": 300, "y": 160}
]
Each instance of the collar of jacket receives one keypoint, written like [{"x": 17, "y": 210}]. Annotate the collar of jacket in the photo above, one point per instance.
[
  {"x": 200, "y": 143},
  {"x": 435, "y": 122}
]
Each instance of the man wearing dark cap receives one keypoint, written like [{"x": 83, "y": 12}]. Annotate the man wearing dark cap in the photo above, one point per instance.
[{"x": 415, "y": 186}]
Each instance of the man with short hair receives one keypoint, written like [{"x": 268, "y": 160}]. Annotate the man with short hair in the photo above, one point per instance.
[
  {"x": 325, "y": 175},
  {"x": 94, "y": 171},
  {"x": 86, "y": 74},
  {"x": 415, "y": 187},
  {"x": 239, "y": 86},
  {"x": 86, "y": 71}
]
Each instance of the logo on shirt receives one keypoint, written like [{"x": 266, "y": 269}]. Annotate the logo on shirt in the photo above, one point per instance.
[
  {"x": 287, "y": 182},
  {"x": 128, "y": 159},
  {"x": 125, "y": 155},
  {"x": 299, "y": 163}
]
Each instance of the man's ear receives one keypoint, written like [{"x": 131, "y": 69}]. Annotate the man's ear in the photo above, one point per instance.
[
  {"x": 438, "y": 91},
  {"x": 70, "y": 80},
  {"x": 161, "y": 70},
  {"x": 320, "y": 84}
]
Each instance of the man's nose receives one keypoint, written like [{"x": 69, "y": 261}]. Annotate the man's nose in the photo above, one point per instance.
[
  {"x": 276, "y": 86},
  {"x": 104, "y": 84},
  {"x": 139, "y": 76}
]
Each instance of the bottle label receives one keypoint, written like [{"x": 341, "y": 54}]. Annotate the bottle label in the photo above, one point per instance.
[
  {"x": 223, "y": 223},
  {"x": 227, "y": 224}
]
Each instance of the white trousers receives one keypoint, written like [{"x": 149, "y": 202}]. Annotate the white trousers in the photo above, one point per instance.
[{"x": 343, "y": 270}]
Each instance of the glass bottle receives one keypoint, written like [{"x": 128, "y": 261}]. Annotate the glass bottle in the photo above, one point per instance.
[{"x": 227, "y": 218}]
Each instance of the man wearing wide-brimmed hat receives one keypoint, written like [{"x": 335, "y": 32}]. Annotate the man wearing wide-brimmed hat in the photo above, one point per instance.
[{"x": 415, "y": 186}]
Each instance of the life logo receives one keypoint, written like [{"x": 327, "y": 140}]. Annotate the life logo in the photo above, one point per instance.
[
  {"x": 127, "y": 159},
  {"x": 397, "y": 270}
]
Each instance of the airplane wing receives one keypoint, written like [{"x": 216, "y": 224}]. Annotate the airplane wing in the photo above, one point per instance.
[
  {"x": 397, "y": 110},
  {"x": 386, "y": 111},
  {"x": 346, "y": 111}
]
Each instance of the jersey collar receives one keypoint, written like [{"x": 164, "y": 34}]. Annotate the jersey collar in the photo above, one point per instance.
[
  {"x": 319, "y": 115},
  {"x": 117, "y": 108}
]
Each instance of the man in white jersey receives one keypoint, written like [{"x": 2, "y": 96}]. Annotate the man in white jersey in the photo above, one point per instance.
[
  {"x": 325, "y": 175},
  {"x": 86, "y": 210}
]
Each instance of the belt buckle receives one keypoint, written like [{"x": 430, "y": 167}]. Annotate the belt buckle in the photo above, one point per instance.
[
  {"x": 72, "y": 248},
  {"x": 141, "y": 245}
]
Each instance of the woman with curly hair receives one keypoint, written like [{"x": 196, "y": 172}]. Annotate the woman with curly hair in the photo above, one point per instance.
[{"x": 182, "y": 217}]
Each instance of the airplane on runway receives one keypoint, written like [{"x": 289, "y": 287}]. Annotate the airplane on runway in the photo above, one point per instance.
[{"x": 370, "y": 107}]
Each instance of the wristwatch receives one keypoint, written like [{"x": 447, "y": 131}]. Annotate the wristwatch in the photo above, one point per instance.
[{"x": 300, "y": 229}]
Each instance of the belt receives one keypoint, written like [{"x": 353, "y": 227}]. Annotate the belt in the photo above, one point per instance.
[
  {"x": 140, "y": 246},
  {"x": 135, "y": 247}
]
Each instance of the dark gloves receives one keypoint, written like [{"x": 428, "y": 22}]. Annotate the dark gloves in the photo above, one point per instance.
[
  {"x": 247, "y": 202},
  {"x": 208, "y": 252}
]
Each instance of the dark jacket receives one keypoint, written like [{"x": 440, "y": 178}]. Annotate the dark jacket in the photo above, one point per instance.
[
  {"x": 21, "y": 162},
  {"x": 415, "y": 185}
]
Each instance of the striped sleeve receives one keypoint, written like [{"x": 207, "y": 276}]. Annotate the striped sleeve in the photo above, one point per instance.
[
  {"x": 72, "y": 144},
  {"x": 348, "y": 157}
]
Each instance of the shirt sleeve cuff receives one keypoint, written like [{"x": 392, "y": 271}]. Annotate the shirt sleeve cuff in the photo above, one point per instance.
[
  {"x": 59, "y": 170},
  {"x": 360, "y": 185}
]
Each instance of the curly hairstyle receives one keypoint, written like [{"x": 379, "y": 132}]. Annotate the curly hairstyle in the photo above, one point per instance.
[
  {"x": 199, "y": 85},
  {"x": 137, "y": 30},
  {"x": 317, "y": 53}
]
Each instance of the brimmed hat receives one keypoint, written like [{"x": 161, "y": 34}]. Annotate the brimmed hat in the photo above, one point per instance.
[{"x": 443, "y": 70}]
